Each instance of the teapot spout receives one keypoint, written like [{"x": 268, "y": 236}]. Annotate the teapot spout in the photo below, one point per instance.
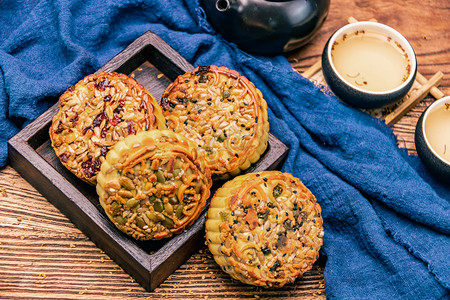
[{"x": 223, "y": 5}]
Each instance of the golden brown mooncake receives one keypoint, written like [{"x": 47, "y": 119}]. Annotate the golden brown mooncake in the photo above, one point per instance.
[
  {"x": 153, "y": 184},
  {"x": 93, "y": 115},
  {"x": 223, "y": 113},
  {"x": 265, "y": 228}
]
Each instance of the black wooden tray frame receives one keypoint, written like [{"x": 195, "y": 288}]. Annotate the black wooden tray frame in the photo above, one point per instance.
[{"x": 65, "y": 191}]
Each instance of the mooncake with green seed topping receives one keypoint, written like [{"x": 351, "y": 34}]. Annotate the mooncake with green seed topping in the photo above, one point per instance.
[
  {"x": 264, "y": 229},
  {"x": 154, "y": 184},
  {"x": 223, "y": 113}
]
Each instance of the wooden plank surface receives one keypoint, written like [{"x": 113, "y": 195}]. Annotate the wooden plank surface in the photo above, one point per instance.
[{"x": 44, "y": 256}]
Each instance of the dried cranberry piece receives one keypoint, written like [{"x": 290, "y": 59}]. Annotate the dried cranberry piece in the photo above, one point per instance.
[
  {"x": 99, "y": 118},
  {"x": 87, "y": 128},
  {"x": 131, "y": 129},
  {"x": 102, "y": 84},
  {"x": 74, "y": 121},
  {"x": 107, "y": 98},
  {"x": 60, "y": 128},
  {"x": 104, "y": 131},
  {"x": 115, "y": 120},
  {"x": 118, "y": 109},
  {"x": 64, "y": 157},
  {"x": 97, "y": 164},
  {"x": 91, "y": 167},
  {"x": 103, "y": 151},
  {"x": 71, "y": 88}
]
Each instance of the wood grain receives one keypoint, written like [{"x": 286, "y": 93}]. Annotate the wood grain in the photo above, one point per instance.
[
  {"x": 31, "y": 154},
  {"x": 44, "y": 256}
]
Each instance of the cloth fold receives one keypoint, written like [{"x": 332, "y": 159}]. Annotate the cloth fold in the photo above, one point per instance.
[{"x": 387, "y": 221}]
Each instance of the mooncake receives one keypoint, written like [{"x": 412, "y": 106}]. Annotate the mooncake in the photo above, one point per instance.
[
  {"x": 93, "y": 115},
  {"x": 154, "y": 184},
  {"x": 264, "y": 229},
  {"x": 223, "y": 113}
]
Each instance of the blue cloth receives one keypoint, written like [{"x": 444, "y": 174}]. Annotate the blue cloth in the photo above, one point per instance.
[{"x": 387, "y": 222}]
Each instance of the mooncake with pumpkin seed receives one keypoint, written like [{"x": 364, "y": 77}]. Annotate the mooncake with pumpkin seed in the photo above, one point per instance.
[
  {"x": 264, "y": 229},
  {"x": 223, "y": 113},
  {"x": 93, "y": 115},
  {"x": 154, "y": 184}
]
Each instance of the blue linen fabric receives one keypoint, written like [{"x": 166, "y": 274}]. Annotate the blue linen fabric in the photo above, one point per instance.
[{"x": 386, "y": 220}]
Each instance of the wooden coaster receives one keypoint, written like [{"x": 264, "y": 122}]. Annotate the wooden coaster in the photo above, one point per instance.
[{"x": 392, "y": 113}]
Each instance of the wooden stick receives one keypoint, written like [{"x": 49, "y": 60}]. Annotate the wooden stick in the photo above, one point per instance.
[
  {"x": 313, "y": 69},
  {"x": 353, "y": 20},
  {"x": 413, "y": 99},
  {"x": 435, "y": 92}
]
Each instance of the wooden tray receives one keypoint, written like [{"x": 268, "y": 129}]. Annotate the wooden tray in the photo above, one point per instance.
[{"x": 154, "y": 64}]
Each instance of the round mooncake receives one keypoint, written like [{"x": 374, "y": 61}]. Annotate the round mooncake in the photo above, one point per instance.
[
  {"x": 153, "y": 184},
  {"x": 94, "y": 114},
  {"x": 265, "y": 228},
  {"x": 223, "y": 113}
]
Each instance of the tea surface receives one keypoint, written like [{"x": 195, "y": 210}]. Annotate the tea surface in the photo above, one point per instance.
[
  {"x": 370, "y": 61},
  {"x": 437, "y": 130}
]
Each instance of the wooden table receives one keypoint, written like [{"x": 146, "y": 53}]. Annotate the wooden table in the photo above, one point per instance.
[{"x": 44, "y": 256}]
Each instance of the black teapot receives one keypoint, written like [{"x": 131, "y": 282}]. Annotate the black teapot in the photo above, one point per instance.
[{"x": 267, "y": 27}]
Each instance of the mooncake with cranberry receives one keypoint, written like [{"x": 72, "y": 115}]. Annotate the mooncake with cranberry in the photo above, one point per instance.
[
  {"x": 223, "y": 113},
  {"x": 154, "y": 184},
  {"x": 264, "y": 229},
  {"x": 93, "y": 115}
]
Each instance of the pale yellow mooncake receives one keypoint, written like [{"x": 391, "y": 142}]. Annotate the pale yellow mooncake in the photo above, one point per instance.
[
  {"x": 223, "y": 113},
  {"x": 264, "y": 229},
  {"x": 154, "y": 184}
]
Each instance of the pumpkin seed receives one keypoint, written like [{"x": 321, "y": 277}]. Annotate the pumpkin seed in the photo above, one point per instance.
[
  {"x": 131, "y": 203},
  {"x": 126, "y": 183},
  {"x": 179, "y": 211},
  {"x": 115, "y": 207},
  {"x": 168, "y": 208},
  {"x": 160, "y": 176},
  {"x": 158, "y": 206},
  {"x": 173, "y": 200},
  {"x": 168, "y": 223},
  {"x": 277, "y": 191},
  {"x": 140, "y": 222},
  {"x": 120, "y": 220}
]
